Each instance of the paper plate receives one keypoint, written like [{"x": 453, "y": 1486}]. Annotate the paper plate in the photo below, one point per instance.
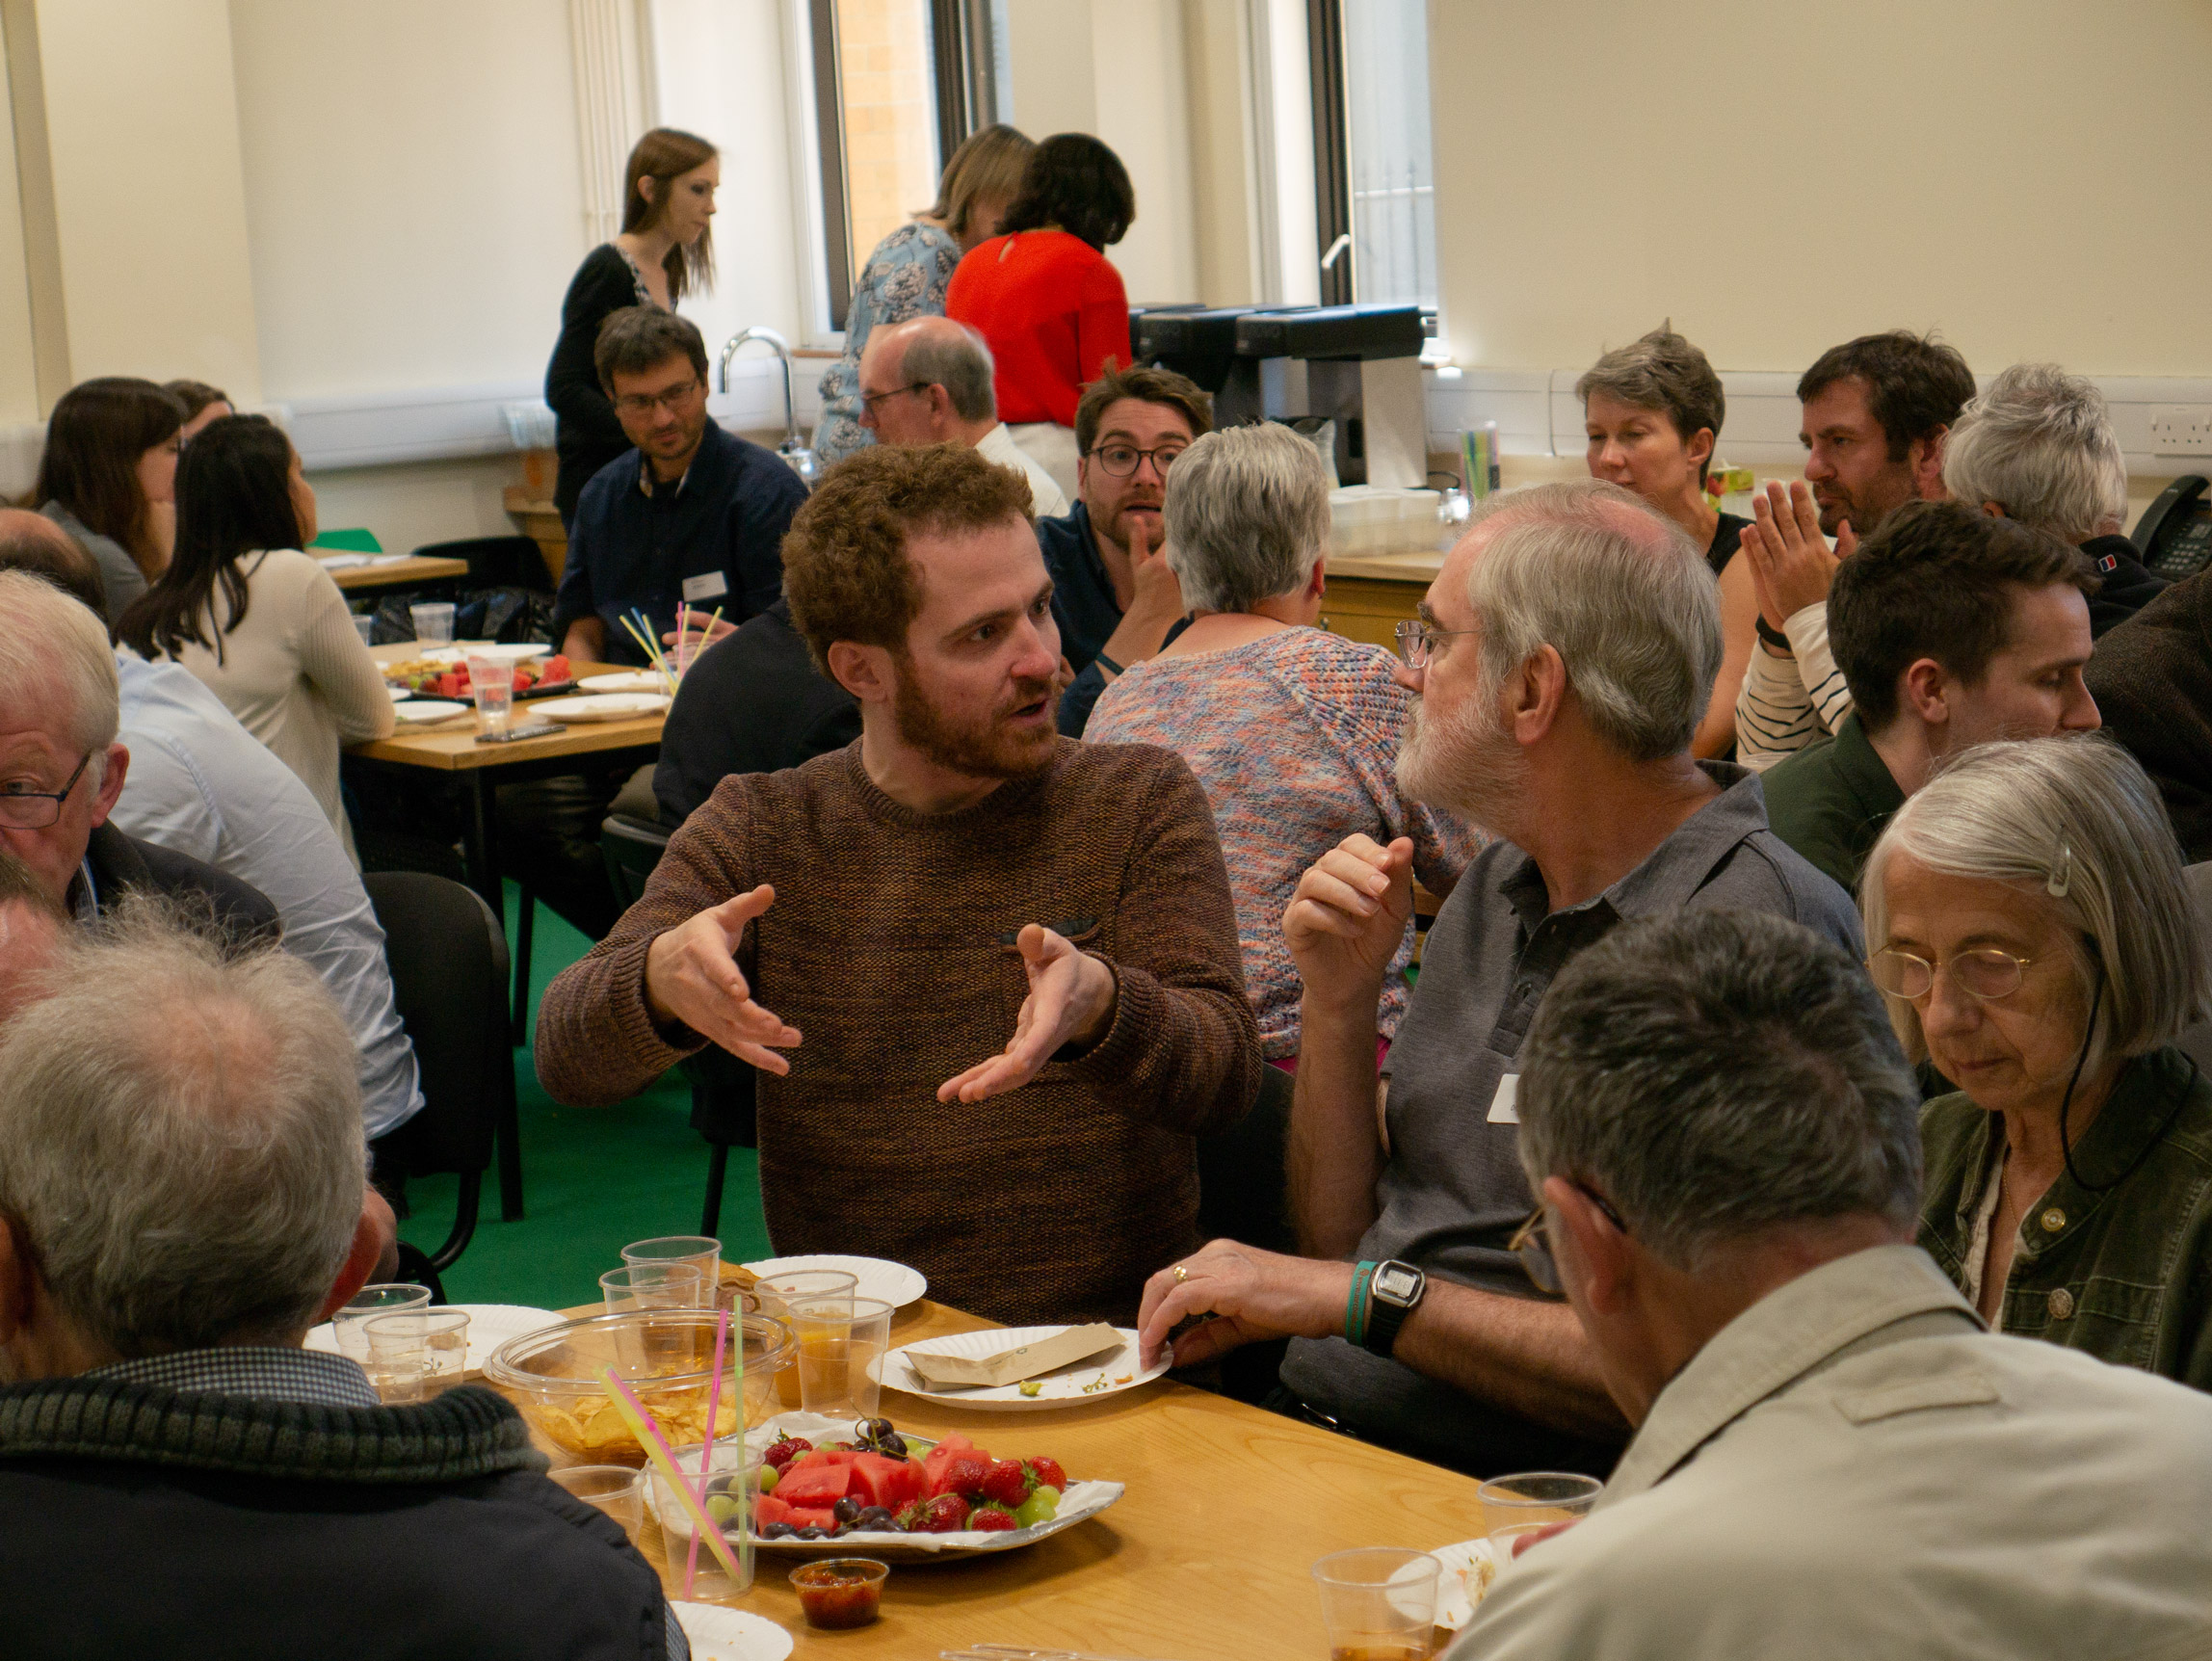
[
  {"x": 1082, "y": 1501},
  {"x": 399, "y": 694},
  {"x": 626, "y": 680},
  {"x": 519, "y": 652},
  {"x": 490, "y": 1326},
  {"x": 419, "y": 711},
  {"x": 719, "y": 1634},
  {"x": 603, "y": 707},
  {"x": 1469, "y": 1568},
  {"x": 1113, "y": 1373},
  {"x": 894, "y": 1284}
]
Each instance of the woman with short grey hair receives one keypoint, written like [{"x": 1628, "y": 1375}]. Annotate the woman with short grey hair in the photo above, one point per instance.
[
  {"x": 1292, "y": 730},
  {"x": 2036, "y": 941}
]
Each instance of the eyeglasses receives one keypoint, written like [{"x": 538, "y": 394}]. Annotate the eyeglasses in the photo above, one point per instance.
[
  {"x": 872, "y": 399},
  {"x": 1532, "y": 1243},
  {"x": 1417, "y": 642},
  {"x": 643, "y": 404},
  {"x": 1123, "y": 460},
  {"x": 1985, "y": 972},
  {"x": 23, "y": 809}
]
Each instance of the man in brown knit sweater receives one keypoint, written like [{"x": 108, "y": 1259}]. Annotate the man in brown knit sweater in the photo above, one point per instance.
[{"x": 1013, "y": 957}]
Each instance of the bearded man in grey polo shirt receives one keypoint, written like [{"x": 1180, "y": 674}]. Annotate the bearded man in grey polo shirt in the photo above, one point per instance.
[{"x": 1565, "y": 653}]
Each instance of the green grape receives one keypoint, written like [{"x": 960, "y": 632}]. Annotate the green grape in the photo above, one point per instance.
[
  {"x": 1040, "y": 1506},
  {"x": 768, "y": 1479},
  {"x": 721, "y": 1507}
]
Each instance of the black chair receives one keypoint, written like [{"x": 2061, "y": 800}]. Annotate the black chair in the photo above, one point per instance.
[
  {"x": 495, "y": 561},
  {"x": 1244, "y": 1194},
  {"x": 448, "y": 958},
  {"x": 722, "y": 1085}
]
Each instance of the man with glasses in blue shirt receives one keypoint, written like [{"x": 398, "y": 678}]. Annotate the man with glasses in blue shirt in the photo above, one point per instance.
[{"x": 1114, "y": 596}]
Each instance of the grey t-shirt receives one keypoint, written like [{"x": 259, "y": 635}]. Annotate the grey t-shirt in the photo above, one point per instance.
[
  {"x": 1453, "y": 1193},
  {"x": 119, "y": 574}
]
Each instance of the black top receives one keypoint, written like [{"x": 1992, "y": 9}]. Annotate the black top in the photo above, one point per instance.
[
  {"x": 1727, "y": 537},
  {"x": 589, "y": 435},
  {"x": 119, "y": 864},
  {"x": 753, "y": 703},
  {"x": 716, "y": 533},
  {"x": 1083, "y": 605},
  {"x": 2129, "y": 584}
]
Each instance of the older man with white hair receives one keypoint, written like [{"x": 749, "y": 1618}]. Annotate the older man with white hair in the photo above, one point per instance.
[
  {"x": 179, "y": 1201},
  {"x": 2038, "y": 447},
  {"x": 1832, "y": 1457},
  {"x": 928, "y": 382},
  {"x": 1564, "y": 656}
]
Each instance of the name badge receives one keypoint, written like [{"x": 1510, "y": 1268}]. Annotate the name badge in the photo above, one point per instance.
[
  {"x": 1502, "y": 1108},
  {"x": 713, "y": 585}
]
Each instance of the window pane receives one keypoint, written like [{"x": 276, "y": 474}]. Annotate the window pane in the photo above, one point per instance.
[
  {"x": 885, "y": 70},
  {"x": 1393, "y": 174}
]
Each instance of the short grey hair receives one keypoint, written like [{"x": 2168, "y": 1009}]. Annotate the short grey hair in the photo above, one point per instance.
[
  {"x": 1246, "y": 516},
  {"x": 55, "y": 660},
  {"x": 2078, "y": 812},
  {"x": 1619, "y": 591},
  {"x": 942, "y": 353},
  {"x": 2039, "y": 443},
  {"x": 180, "y": 1136},
  {"x": 1715, "y": 1074},
  {"x": 1664, "y": 372}
]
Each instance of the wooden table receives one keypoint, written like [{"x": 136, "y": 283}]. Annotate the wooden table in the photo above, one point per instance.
[
  {"x": 1371, "y": 593},
  {"x": 398, "y": 572},
  {"x": 1208, "y": 1556}
]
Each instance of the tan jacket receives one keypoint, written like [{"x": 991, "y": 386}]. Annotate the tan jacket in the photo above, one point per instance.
[{"x": 1852, "y": 1467}]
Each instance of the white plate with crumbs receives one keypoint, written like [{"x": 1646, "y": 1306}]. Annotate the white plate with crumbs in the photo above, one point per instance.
[
  {"x": 626, "y": 680},
  {"x": 1469, "y": 1568},
  {"x": 719, "y": 1634},
  {"x": 894, "y": 1284},
  {"x": 603, "y": 707},
  {"x": 1094, "y": 1377},
  {"x": 422, "y": 711}
]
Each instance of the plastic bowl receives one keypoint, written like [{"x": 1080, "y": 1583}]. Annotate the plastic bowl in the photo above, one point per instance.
[
  {"x": 836, "y": 1593},
  {"x": 666, "y": 1358}
]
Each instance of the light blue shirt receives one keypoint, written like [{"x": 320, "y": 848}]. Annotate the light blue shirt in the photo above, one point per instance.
[{"x": 201, "y": 784}]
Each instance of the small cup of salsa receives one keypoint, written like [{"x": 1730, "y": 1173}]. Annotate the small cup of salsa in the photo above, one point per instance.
[{"x": 836, "y": 1593}]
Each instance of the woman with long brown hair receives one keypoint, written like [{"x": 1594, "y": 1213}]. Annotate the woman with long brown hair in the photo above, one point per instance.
[
  {"x": 907, "y": 274},
  {"x": 255, "y": 619},
  {"x": 108, "y": 477},
  {"x": 665, "y": 250}
]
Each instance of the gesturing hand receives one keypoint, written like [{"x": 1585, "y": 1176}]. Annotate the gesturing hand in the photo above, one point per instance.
[
  {"x": 1791, "y": 564},
  {"x": 692, "y": 976},
  {"x": 1251, "y": 1295},
  {"x": 1071, "y": 998},
  {"x": 1348, "y": 916}
]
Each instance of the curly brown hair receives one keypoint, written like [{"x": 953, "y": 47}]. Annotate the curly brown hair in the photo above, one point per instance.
[{"x": 846, "y": 572}]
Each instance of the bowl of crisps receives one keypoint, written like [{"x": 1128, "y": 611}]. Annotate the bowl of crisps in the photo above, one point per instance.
[{"x": 666, "y": 1358}]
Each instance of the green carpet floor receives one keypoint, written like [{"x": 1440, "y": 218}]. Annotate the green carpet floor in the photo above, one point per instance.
[{"x": 593, "y": 1179}]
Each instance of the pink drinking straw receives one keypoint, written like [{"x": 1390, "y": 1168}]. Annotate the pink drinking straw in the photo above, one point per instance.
[
  {"x": 706, "y": 1451},
  {"x": 656, "y": 1446}
]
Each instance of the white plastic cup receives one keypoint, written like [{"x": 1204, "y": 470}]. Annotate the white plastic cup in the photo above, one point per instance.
[{"x": 432, "y": 622}]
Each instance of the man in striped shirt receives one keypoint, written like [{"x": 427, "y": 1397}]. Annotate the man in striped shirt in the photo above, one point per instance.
[{"x": 1875, "y": 413}]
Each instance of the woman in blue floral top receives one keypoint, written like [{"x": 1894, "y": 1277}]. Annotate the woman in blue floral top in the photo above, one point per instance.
[{"x": 907, "y": 276}]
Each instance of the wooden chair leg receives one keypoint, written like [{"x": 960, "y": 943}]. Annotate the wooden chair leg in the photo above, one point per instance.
[
  {"x": 717, "y": 1164},
  {"x": 524, "y": 926}
]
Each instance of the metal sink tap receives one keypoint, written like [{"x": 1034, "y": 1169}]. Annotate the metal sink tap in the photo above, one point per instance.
[{"x": 796, "y": 453}]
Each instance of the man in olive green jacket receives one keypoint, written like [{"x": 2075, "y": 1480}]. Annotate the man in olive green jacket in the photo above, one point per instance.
[{"x": 1833, "y": 1458}]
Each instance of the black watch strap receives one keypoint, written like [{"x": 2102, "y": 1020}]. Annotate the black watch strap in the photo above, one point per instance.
[{"x": 1395, "y": 1293}]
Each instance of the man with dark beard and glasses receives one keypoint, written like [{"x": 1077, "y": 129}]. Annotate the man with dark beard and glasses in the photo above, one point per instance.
[
  {"x": 1564, "y": 654},
  {"x": 961, "y": 880}
]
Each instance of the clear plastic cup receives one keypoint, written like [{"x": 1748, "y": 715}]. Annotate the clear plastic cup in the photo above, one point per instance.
[
  {"x": 778, "y": 1292},
  {"x": 728, "y": 1500},
  {"x": 1538, "y": 1496},
  {"x": 492, "y": 682},
  {"x": 418, "y": 1354},
  {"x": 432, "y": 622},
  {"x": 651, "y": 1286},
  {"x": 841, "y": 1345},
  {"x": 365, "y": 625},
  {"x": 612, "y": 1489},
  {"x": 1380, "y": 1603},
  {"x": 1508, "y": 1543},
  {"x": 389, "y": 1297},
  {"x": 702, "y": 1254}
]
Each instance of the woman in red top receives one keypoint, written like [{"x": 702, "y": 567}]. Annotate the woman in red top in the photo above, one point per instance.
[{"x": 1045, "y": 299}]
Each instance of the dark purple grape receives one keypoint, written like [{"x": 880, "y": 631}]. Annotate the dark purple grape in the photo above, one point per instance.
[
  {"x": 872, "y": 1517},
  {"x": 894, "y": 1445},
  {"x": 810, "y": 1532},
  {"x": 846, "y": 1509},
  {"x": 775, "y": 1531}
]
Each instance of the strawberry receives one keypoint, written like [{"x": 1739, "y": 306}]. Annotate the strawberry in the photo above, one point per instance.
[
  {"x": 781, "y": 1453},
  {"x": 947, "y": 1514},
  {"x": 991, "y": 1520},
  {"x": 1007, "y": 1484},
  {"x": 1048, "y": 1473},
  {"x": 963, "y": 1474}
]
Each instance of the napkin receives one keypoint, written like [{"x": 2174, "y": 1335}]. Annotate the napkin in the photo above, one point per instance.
[{"x": 1021, "y": 1362}]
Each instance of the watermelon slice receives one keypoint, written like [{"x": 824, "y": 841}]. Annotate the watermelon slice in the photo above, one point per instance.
[
  {"x": 768, "y": 1509},
  {"x": 812, "y": 1516},
  {"x": 890, "y": 1483},
  {"x": 820, "y": 1486},
  {"x": 943, "y": 1454}
]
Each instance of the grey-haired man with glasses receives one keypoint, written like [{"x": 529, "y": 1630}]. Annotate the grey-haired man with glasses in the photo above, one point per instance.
[
  {"x": 1563, "y": 658},
  {"x": 1114, "y": 596}
]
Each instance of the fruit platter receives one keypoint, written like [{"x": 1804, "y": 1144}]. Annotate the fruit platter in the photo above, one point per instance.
[
  {"x": 434, "y": 677},
  {"x": 829, "y": 1488}
]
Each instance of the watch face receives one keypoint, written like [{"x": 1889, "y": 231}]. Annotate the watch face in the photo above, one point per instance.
[{"x": 1396, "y": 1282}]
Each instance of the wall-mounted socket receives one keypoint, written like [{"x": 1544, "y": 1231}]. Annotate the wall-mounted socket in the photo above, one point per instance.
[{"x": 2181, "y": 429}]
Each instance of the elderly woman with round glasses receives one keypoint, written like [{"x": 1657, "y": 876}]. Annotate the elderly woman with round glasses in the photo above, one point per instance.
[{"x": 2035, "y": 943}]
